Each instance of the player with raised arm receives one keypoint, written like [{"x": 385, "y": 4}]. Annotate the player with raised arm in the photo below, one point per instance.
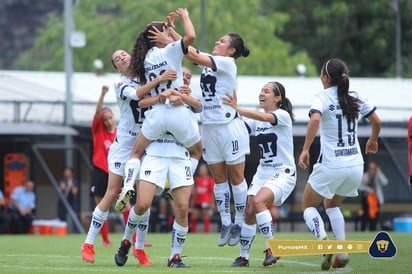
[
  {"x": 128, "y": 93},
  {"x": 149, "y": 61},
  {"x": 275, "y": 177},
  {"x": 225, "y": 138}
]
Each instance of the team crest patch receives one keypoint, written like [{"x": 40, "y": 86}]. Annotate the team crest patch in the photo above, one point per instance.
[
  {"x": 117, "y": 165},
  {"x": 382, "y": 246},
  {"x": 147, "y": 172}
]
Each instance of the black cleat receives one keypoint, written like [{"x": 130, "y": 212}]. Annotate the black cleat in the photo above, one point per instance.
[
  {"x": 176, "y": 262},
  {"x": 269, "y": 258},
  {"x": 121, "y": 254},
  {"x": 240, "y": 261}
]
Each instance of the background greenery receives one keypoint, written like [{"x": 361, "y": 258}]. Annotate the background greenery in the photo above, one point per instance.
[{"x": 280, "y": 34}]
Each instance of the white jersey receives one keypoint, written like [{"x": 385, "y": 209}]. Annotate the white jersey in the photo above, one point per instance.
[
  {"x": 158, "y": 60},
  {"x": 167, "y": 146},
  {"x": 338, "y": 136},
  {"x": 131, "y": 115},
  {"x": 215, "y": 84},
  {"x": 275, "y": 143}
]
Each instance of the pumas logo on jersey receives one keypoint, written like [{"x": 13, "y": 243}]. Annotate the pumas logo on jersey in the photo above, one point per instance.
[
  {"x": 147, "y": 172},
  {"x": 117, "y": 165}
]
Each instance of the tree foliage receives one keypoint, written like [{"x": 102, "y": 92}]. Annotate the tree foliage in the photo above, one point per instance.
[
  {"x": 361, "y": 32},
  {"x": 110, "y": 25}
]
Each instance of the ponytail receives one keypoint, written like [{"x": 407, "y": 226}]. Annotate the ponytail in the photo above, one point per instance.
[
  {"x": 337, "y": 72},
  {"x": 285, "y": 103},
  {"x": 140, "y": 48}
]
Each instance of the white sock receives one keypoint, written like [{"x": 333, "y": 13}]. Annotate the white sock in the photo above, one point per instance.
[
  {"x": 193, "y": 164},
  {"x": 142, "y": 230},
  {"x": 247, "y": 235},
  {"x": 96, "y": 223},
  {"x": 315, "y": 223},
  {"x": 265, "y": 224},
  {"x": 222, "y": 199},
  {"x": 179, "y": 234},
  {"x": 240, "y": 198},
  {"x": 337, "y": 222},
  {"x": 132, "y": 223},
  {"x": 131, "y": 171}
]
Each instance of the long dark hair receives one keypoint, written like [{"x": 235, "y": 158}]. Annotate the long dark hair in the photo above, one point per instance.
[
  {"x": 285, "y": 103},
  {"x": 140, "y": 48},
  {"x": 237, "y": 43},
  {"x": 338, "y": 74}
]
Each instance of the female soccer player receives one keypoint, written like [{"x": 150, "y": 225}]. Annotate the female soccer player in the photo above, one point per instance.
[
  {"x": 165, "y": 160},
  {"x": 149, "y": 61},
  {"x": 339, "y": 169},
  {"x": 224, "y": 135},
  {"x": 128, "y": 92},
  {"x": 275, "y": 177},
  {"x": 104, "y": 132}
]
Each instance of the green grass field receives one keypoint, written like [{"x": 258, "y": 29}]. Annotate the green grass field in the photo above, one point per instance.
[{"x": 61, "y": 254}]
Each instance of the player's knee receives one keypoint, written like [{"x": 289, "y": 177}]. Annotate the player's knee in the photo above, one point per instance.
[
  {"x": 141, "y": 207},
  {"x": 182, "y": 210}
]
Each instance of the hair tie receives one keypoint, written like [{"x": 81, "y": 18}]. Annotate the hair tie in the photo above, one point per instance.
[{"x": 326, "y": 68}]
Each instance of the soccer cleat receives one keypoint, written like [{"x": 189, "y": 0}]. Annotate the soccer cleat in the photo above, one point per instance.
[
  {"x": 340, "y": 263},
  {"x": 121, "y": 254},
  {"x": 88, "y": 253},
  {"x": 269, "y": 258},
  {"x": 326, "y": 262},
  {"x": 224, "y": 235},
  {"x": 127, "y": 193},
  {"x": 235, "y": 235},
  {"x": 142, "y": 257},
  {"x": 240, "y": 261},
  {"x": 176, "y": 262}
]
